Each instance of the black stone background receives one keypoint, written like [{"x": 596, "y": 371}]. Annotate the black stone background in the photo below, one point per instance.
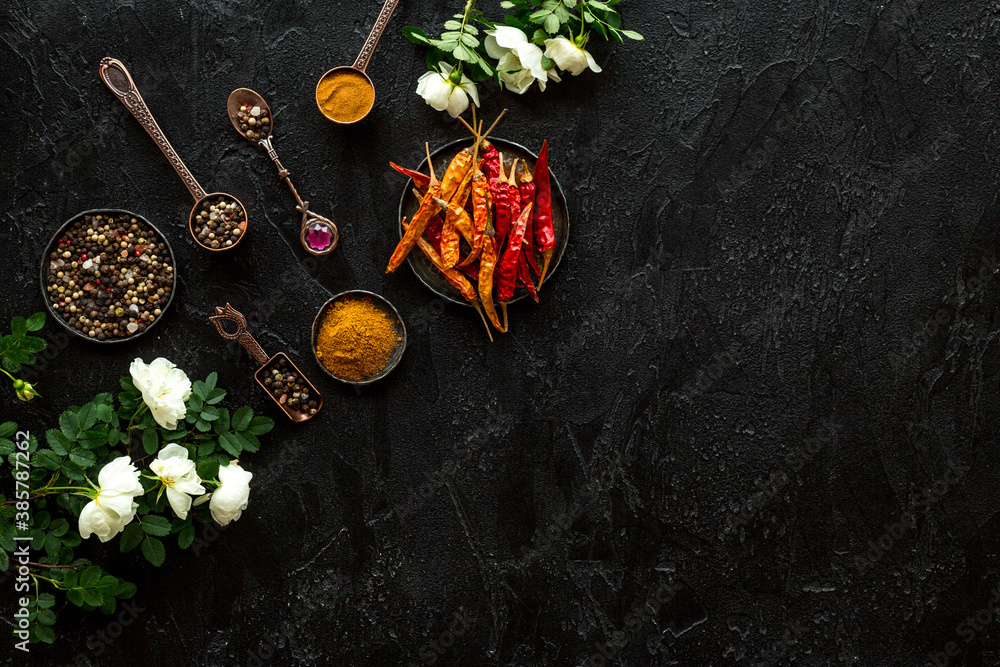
[{"x": 769, "y": 200}]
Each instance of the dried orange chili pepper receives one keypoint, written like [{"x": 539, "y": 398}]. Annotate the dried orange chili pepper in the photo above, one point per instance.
[
  {"x": 507, "y": 278},
  {"x": 487, "y": 265},
  {"x": 480, "y": 215},
  {"x": 428, "y": 209},
  {"x": 455, "y": 278}
]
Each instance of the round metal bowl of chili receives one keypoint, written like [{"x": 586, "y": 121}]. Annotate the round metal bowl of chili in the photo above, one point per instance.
[{"x": 424, "y": 267}]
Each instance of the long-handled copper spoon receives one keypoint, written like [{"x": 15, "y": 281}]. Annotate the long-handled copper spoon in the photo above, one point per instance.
[
  {"x": 318, "y": 235},
  {"x": 116, "y": 77},
  {"x": 327, "y": 98}
]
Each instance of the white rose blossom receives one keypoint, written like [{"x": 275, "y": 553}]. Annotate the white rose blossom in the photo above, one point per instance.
[
  {"x": 569, "y": 56},
  {"x": 520, "y": 61},
  {"x": 179, "y": 477},
  {"x": 439, "y": 91},
  {"x": 232, "y": 496},
  {"x": 164, "y": 389},
  {"x": 112, "y": 508}
]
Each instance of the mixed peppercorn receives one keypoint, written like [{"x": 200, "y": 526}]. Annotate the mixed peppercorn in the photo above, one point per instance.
[
  {"x": 219, "y": 223},
  {"x": 255, "y": 123},
  {"x": 289, "y": 387},
  {"x": 109, "y": 276}
]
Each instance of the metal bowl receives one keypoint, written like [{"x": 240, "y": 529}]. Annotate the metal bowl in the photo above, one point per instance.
[
  {"x": 397, "y": 325},
  {"x": 425, "y": 270},
  {"x": 45, "y": 265}
]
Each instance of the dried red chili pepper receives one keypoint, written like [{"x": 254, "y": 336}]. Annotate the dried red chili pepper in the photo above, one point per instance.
[
  {"x": 545, "y": 236},
  {"x": 421, "y": 181},
  {"x": 507, "y": 270},
  {"x": 528, "y": 190}
]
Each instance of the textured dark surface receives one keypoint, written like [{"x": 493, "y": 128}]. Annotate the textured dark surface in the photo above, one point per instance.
[{"x": 720, "y": 398}]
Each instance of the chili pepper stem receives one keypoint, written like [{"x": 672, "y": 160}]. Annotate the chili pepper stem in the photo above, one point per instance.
[
  {"x": 546, "y": 258},
  {"x": 503, "y": 307},
  {"x": 475, "y": 304},
  {"x": 430, "y": 163}
]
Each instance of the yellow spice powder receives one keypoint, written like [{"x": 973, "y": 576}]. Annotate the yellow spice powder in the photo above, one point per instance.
[
  {"x": 355, "y": 339},
  {"x": 345, "y": 95}
]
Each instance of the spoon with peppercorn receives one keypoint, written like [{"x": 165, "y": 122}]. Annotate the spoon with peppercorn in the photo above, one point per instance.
[
  {"x": 277, "y": 375},
  {"x": 251, "y": 116},
  {"x": 218, "y": 221}
]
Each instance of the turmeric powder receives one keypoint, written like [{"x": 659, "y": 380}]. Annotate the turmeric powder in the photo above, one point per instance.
[
  {"x": 345, "y": 95},
  {"x": 355, "y": 339}
]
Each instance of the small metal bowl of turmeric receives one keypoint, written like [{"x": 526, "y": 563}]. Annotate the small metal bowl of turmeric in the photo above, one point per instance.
[{"x": 358, "y": 337}]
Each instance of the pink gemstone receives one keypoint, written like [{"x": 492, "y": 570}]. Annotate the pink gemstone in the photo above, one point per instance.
[{"x": 319, "y": 236}]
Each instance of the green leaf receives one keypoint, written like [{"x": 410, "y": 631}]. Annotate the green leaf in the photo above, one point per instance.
[
  {"x": 44, "y": 633},
  {"x": 109, "y": 604},
  {"x": 210, "y": 382},
  {"x": 203, "y": 425},
  {"x": 248, "y": 441},
  {"x": 631, "y": 34},
  {"x": 242, "y": 419},
  {"x": 185, "y": 537},
  {"x": 75, "y": 595},
  {"x": 59, "y": 527},
  {"x": 36, "y": 321},
  {"x": 208, "y": 469},
  {"x": 18, "y": 326},
  {"x": 131, "y": 537},
  {"x": 417, "y": 36},
  {"x": 70, "y": 425},
  {"x": 87, "y": 416},
  {"x": 552, "y": 24},
  {"x": 453, "y": 25},
  {"x": 58, "y": 442},
  {"x": 206, "y": 447},
  {"x": 4, "y": 561},
  {"x": 7, "y": 429},
  {"x": 46, "y": 600},
  {"x": 215, "y": 396},
  {"x": 46, "y": 459},
  {"x": 222, "y": 424},
  {"x": 92, "y": 597},
  {"x": 261, "y": 425},
  {"x": 150, "y": 440},
  {"x": 153, "y": 550},
  {"x": 82, "y": 457},
  {"x": 155, "y": 525},
  {"x": 229, "y": 443},
  {"x": 90, "y": 576},
  {"x": 125, "y": 590},
  {"x": 103, "y": 412}
]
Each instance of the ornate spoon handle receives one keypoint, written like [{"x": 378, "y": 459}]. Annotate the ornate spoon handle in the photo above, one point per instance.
[
  {"x": 376, "y": 34},
  {"x": 117, "y": 78},
  {"x": 230, "y": 314}
]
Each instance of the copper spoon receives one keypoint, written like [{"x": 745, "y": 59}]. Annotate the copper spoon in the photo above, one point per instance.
[
  {"x": 116, "y": 77},
  {"x": 318, "y": 235},
  {"x": 361, "y": 64},
  {"x": 243, "y": 337}
]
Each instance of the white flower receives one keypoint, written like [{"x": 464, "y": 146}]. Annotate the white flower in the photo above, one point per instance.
[
  {"x": 569, "y": 56},
  {"x": 179, "y": 477},
  {"x": 164, "y": 389},
  {"x": 232, "y": 496},
  {"x": 112, "y": 508},
  {"x": 443, "y": 94},
  {"x": 520, "y": 61}
]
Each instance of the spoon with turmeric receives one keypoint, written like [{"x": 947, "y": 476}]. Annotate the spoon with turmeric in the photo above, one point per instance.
[
  {"x": 252, "y": 118},
  {"x": 346, "y": 94}
]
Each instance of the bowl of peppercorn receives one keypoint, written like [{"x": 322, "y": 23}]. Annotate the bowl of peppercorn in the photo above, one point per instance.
[{"x": 108, "y": 275}]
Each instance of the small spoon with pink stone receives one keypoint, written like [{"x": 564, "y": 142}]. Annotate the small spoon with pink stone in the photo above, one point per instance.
[{"x": 252, "y": 118}]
